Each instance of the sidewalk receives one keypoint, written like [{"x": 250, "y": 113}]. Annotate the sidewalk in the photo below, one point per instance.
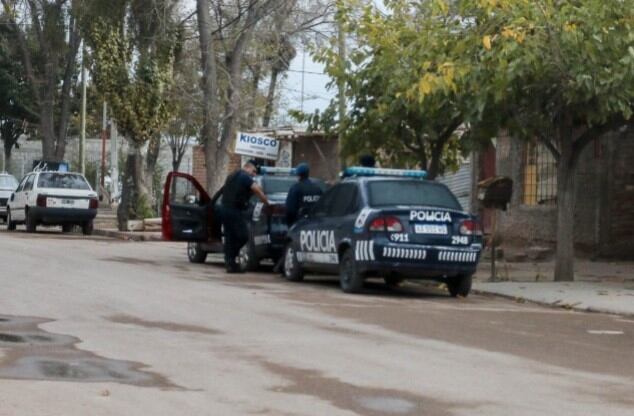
[
  {"x": 129, "y": 235},
  {"x": 599, "y": 286}
]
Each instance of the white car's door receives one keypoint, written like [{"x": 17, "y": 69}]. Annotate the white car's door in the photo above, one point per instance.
[{"x": 21, "y": 195}]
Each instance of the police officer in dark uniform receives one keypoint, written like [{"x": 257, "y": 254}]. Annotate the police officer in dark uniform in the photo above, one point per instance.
[
  {"x": 367, "y": 161},
  {"x": 303, "y": 194},
  {"x": 238, "y": 188}
]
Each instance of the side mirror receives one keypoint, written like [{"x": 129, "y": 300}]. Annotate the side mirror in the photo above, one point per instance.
[{"x": 12, "y": 196}]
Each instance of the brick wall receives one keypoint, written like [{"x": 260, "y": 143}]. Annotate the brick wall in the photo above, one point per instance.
[{"x": 199, "y": 167}]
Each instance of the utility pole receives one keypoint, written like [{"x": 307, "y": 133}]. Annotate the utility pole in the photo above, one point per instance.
[
  {"x": 82, "y": 137},
  {"x": 341, "y": 84},
  {"x": 114, "y": 160},
  {"x": 104, "y": 127}
]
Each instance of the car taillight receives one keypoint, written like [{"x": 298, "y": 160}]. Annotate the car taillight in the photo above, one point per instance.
[
  {"x": 94, "y": 203},
  {"x": 41, "y": 201},
  {"x": 470, "y": 227},
  {"x": 276, "y": 209},
  {"x": 389, "y": 224}
]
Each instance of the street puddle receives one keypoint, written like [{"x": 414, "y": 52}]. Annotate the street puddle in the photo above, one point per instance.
[
  {"x": 363, "y": 400},
  {"x": 30, "y": 353}
]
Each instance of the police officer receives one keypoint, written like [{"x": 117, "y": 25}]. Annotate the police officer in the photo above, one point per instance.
[
  {"x": 303, "y": 194},
  {"x": 238, "y": 188},
  {"x": 367, "y": 161}
]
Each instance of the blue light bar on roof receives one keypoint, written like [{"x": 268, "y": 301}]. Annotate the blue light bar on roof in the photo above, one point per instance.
[
  {"x": 271, "y": 170},
  {"x": 362, "y": 171}
]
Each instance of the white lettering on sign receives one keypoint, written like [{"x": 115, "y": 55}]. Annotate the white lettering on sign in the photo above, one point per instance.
[
  {"x": 257, "y": 146},
  {"x": 310, "y": 198},
  {"x": 432, "y": 216},
  {"x": 321, "y": 241}
]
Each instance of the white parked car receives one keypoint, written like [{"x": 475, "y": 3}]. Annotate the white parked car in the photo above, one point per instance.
[
  {"x": 53, "y": 198},
  {"x": 8, "y": 184}
]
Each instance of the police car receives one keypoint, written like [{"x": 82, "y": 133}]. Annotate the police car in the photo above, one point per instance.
[
  {"x": 386, "y": 223},
  {"x": 190, "y": 214}
]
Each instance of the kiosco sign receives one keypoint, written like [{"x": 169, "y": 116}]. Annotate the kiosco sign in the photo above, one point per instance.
[{"x": 257, "y": 146}]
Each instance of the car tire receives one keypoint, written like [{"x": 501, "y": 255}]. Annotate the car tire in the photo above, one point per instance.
[
  {"x": 247, "y": 259},
  {"x": 87, "y": 228},
  {"x": 392, "y": 281},
  {"x": 459, "y": 285},
  {"x": 10, "y": 222},
  {"x": 31, "y": 224},
  {"x": 195, "y": 253},
  {"x": 350, "y": 279},
  {"x": 292, "y": 269},
  {"x": 67, "y": 228}
]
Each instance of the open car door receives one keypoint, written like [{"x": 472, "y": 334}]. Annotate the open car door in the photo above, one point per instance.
[{"x": 187, "y": 210}]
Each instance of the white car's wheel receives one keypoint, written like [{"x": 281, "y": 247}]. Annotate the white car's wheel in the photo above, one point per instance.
[{"x": 10, "y": 222}]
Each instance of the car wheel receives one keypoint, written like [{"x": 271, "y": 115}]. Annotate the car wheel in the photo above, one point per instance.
[
  {"x": 392, "y": 281},
  {"x": 292, "y": 269},
  {"x": 31, "y": 225},
  {"x": 247, "y": 259},
  {"x": 67, "y": 228},
  {"x": 195, "y": 253},
  {"x": 87, "y": 228},
  {"x": 10, "y": 222},
  {"x": 350, "y": 279},
  {"x": 459, "y": 285}
]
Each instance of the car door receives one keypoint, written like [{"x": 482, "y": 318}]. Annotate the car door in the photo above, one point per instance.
[
  {"x": 187, "y": 210},
  {"x": 23, "y": 198},
  {"x": 14, "y": 200}
]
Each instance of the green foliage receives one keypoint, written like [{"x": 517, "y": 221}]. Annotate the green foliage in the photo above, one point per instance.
[
  {"x": 407, "y": 96},
  {"x": 132, "y": 63}
]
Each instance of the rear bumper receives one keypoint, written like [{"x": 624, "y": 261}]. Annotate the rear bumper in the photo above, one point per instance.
[
  {"x": 416, "y": 261},
  {"x": 62, "y": 215}
]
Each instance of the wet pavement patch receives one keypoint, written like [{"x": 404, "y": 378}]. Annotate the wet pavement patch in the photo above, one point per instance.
[
  {"x": 166, "y": 326},
  {"x": 31, "y": 353},
  {"x": 363, "y": 400}
]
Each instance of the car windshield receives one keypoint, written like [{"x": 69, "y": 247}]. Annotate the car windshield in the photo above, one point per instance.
[
  {"x": 62, "y": 181},
  {"x": 282, "y": 184},
  {"x": 8, "y": 182},
  {"x": 414, "y": 192}
]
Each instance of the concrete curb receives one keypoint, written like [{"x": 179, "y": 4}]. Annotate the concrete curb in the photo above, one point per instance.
[
  {"x": 553, "y": 305},
  {"x": 128, "y": 236}
]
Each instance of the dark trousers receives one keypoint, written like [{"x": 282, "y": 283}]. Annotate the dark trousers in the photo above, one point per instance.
[{"x": 236, "y": 233}]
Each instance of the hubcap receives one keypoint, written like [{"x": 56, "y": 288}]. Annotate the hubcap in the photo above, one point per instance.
[
  {"x": 288, "y": 261},
  {"x": 191, "y": 249},
  {"x": 243, "y": 257}
]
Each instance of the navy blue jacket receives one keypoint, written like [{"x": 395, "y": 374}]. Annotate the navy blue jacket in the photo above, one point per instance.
[{"x": 303, "y": 194}]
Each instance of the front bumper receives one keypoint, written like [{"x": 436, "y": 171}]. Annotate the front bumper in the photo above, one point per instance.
[
  {"x": 62, "y": 215},
  {"x": 416, "y": 261}
]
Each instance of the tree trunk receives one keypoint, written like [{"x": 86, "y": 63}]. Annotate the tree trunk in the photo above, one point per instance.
[
  {"x": 564, "y": 261},
  {"x": 209, "y": 132},
  {"x": 134, "y": 195},
  {"x": 270, "y": 98},
  {"x": 153, "y": 151}
]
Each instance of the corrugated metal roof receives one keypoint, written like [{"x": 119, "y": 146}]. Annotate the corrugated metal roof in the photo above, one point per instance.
[{"x": 460, "y": 184}]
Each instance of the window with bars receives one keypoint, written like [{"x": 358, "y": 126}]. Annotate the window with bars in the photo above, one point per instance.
[{"x": 540, "y": 176}]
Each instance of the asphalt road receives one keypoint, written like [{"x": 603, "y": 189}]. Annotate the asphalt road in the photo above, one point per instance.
[{"x": 91, "y": 326}]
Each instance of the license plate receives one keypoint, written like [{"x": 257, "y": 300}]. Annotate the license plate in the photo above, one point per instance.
[
  {"x": 430, "y": 229},
  {"x": 66, "y": 203}
]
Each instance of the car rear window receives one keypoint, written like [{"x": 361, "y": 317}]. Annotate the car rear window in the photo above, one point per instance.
[
  {"x": 62, "y": 181},
  {"x": 414, "y": 192},
  {"x": 8, "y": 182},
  {"x": 274, "y": 185}
]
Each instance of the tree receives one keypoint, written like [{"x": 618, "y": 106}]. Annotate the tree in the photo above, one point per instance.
[
  {"x": 407, "y": 98},
  {"x": 561, "y": 72},
  {"x": 133, "y": 43},
  {"x": 46, "y": 34}
]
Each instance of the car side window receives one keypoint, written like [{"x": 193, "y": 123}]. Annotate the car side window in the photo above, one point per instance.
[
  {"x": 21, "y": 185},
  {"x": 28, "y": 185},
  {"x": 322, "y": 207},
  {"x": 346, "y": 202}
]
